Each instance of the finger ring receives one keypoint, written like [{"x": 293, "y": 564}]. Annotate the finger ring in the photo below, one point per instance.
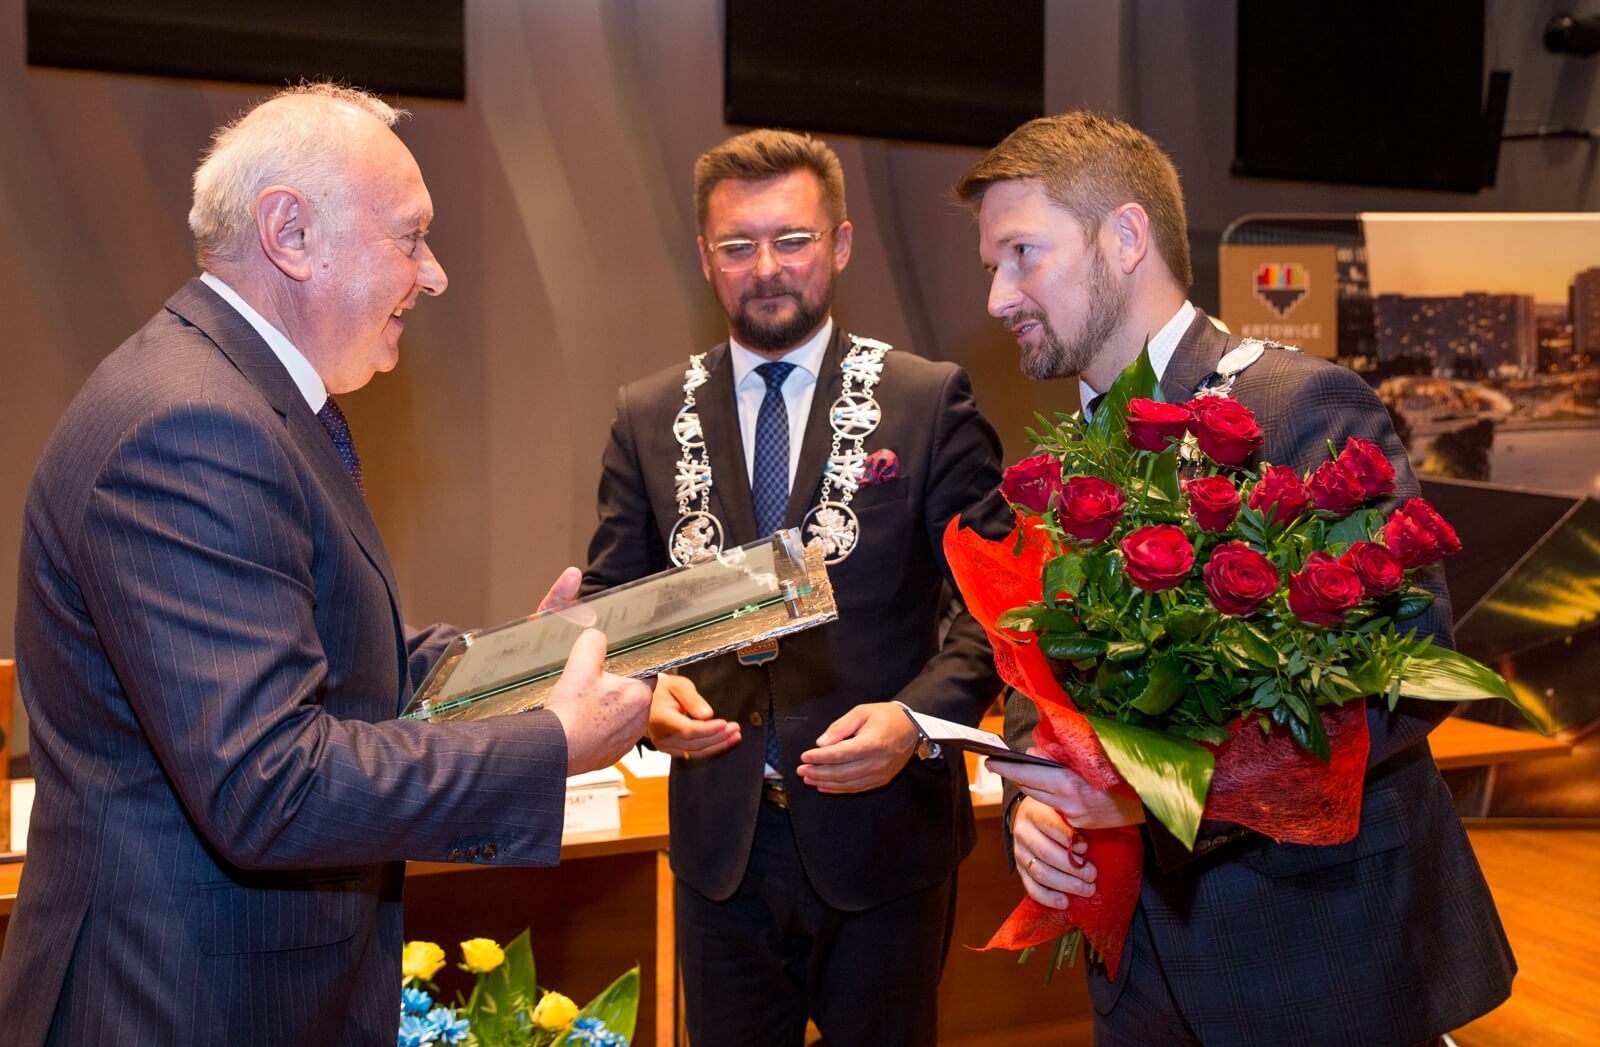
[{"x": 1029, "y": 867}]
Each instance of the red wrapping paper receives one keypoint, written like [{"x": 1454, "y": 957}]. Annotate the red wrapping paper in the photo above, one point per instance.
[{"x": 1262, "y": 781}]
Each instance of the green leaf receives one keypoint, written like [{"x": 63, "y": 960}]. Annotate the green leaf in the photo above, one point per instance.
[
  {"x": 1070, "y": 647},
  {"x": 1359, "y": 526},
  {"x": 494, "y": 1002},
  {"x": 1413, "y": 603},
  {"x": 1137, "y": 380},
  {"x": 1164, "y": 688},
  {"x": 1438, "y": 674},
  {"x": 1125, "y": 650},
  {"x": 1171, "y": 776},
  {"x": 1185, "y": 621},
  {"x": 1063, "y": 574},
  {"x": 1037, "y": 618},
  {"x": 1252, "y": 644},
  {"x": 1164, "y": 475},
  {"x": 1311, "y": 735},
  {"x": 618, "y": 1005}
]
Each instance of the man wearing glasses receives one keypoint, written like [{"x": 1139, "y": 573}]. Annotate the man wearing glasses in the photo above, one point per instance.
[{"x": 814, "y": 846}]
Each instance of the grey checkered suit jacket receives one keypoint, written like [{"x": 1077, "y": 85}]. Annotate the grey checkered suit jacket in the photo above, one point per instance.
[
  {"x": 1391, "y": 938},
  {"x": 212, "y": 654}
]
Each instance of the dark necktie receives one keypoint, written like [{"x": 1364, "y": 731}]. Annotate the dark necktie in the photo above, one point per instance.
[
  {"x": 333, "y": 420},
  {"x": 769, "y": 480},
  {"x": 769, "y": 488},
  {"x": 1094, "y": 405}
]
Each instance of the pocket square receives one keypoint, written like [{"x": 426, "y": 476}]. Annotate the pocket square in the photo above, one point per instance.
[{"x": 880, "y": 467}]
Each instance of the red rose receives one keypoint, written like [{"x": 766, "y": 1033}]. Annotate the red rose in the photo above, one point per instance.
[
  {"x": 1418, "y": 535},
  {"x": 1238, "y": 579},
  {"x": 1281, "y": 490},
  {"x": 1378, "y": 568},
  {"x": 1334, "y": 489},
  {"x": 1214, "y": 501},
  {"x": 1225, "y": 429},
  {"x": 1320, "y": 594},
  {"x": 1089, "y": 508},
  {"x": 1158, "y": 557},
  {"x": 1153, "y": 425},
  {"x": 1365, "y": 461},
  {"x": 1032, "y": 482}
]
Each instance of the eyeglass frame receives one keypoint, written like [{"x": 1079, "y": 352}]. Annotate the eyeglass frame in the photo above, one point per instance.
[{"x": 813, "y": 236}]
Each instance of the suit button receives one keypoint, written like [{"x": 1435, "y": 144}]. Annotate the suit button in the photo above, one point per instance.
[
  {"x": 755, "y": 719},
  {"x": 473, "y": 852},
  {"x": 489, "y": 851},
  {"x": 454, "y": 855}
]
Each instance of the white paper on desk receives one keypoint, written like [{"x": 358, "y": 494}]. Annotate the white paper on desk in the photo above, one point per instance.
[
  {"x": 604, "y": 778},
  {"x": 952, "y": 735},
  {"x": 21, "y": 808},
  {"x": 647, "y": 763}
]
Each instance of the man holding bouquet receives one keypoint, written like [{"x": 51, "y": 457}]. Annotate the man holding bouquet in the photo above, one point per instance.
[{"x": 1389, "y": 938}]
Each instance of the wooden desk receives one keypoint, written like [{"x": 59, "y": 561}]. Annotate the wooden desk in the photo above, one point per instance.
[{"x": 609, "y": 905}]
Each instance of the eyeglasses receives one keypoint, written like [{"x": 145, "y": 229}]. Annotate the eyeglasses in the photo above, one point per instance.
[{"x": 791, "y": 250}]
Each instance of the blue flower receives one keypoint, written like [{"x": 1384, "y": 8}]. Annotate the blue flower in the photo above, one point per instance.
[
  {"x": 415, "y": 1001},
  {"x": 593, "y": 1031},
  {"x": 451, "y": 1029},
  {"x": 416, "y": 1032}
]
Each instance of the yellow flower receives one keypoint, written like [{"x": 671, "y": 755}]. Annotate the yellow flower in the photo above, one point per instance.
[
  {"x": 421, "y": 960},
  {"x": 554, "y": 1011},
  {"x": 482, "y": 955}
]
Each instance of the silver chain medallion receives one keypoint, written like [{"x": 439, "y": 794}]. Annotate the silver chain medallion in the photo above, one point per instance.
[{"x": 831, "y": 524}]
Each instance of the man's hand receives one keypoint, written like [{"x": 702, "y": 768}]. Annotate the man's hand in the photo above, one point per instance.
[
  {"x": 1049, "y": 856},
  {"x": 603, "y": 715},
  {"x": 1062, "y": 789},
  {"x": 562, "y": 599},
  {"x": 863, "y": 749},
  {"x": 681, "y": 723}
]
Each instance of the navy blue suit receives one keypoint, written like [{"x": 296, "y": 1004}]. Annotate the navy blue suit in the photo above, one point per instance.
[{"x": 211, "y": 650}]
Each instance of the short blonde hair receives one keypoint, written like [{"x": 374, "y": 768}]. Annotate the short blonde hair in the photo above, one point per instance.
[
  {"x": 768, "y": 153},
  {"x": 1090, "y": 165},
  {"x": 283, "y": 140}
]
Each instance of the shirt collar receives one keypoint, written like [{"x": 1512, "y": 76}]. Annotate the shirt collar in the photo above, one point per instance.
[
  {"x": 1162, "y": 345},
  {"x": 807, "y": 356},
  {"x": 305, "y": 376}
]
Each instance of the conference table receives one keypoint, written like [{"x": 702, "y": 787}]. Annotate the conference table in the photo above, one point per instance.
[{"x": 608, "y": 906}]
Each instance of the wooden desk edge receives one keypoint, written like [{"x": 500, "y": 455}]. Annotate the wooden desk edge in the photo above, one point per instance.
[{"x": 1456, "y": 743}]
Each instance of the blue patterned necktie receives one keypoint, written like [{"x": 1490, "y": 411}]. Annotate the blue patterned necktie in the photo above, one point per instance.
[
  {"x": 769, "y": 488},
  {"x": 769, "y": 481},
  {"x": 333, "y": 420}
]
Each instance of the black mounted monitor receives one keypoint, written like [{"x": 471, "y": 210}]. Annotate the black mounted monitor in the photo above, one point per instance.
[
  {"x": 405, "y": 47},
  {"x": 965, "y": 74},
  {"x": 1367, "y": 92}
]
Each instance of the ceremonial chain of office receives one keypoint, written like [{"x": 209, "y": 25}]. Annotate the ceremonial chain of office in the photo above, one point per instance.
[{"x": 831, "y": 524}]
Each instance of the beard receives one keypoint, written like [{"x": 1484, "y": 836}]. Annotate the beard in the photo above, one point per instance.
[
  {"x": 756, "y": 332},
  {"x": 1054, "y": 356}
]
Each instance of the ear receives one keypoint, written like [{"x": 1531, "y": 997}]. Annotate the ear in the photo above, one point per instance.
[
  {"x": 705, "y": 256},
  {"x": 1130, "y": 226},
  {"x": 843, "y": 240},
  {"x": 283, "y": 229}
]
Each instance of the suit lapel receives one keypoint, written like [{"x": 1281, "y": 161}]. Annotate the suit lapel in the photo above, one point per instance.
[
  {"x": 719, "y": 421},
  {"x": 818, "y": 437},
  {"x": 1201, "y": 346},
  {"x": 198, "y": 305}
]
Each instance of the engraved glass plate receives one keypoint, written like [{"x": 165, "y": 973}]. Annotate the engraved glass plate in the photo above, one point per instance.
[{"x": 754, "y": 593}]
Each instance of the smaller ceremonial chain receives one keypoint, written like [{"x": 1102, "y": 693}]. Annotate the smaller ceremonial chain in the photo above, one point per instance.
[{"x": 831, "y": 524}]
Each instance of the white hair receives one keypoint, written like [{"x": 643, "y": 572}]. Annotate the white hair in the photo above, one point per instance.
[{"x": 297, "y": 144}]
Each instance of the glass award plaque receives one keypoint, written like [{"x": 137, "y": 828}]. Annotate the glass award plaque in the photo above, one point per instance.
[{"x": 742, "y": 597}]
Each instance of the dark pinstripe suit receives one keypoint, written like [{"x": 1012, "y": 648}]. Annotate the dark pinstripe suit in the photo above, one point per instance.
[
  {"x": 212, "y": 655},
  {"x": 1389, "y": 939}
]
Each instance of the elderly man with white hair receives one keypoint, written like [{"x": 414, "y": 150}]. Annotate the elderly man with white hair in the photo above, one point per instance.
[{"x": 211, "y": 646}]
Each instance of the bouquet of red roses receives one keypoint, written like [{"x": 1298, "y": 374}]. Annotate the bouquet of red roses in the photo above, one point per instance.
[{"x": 1201, "y": 633}]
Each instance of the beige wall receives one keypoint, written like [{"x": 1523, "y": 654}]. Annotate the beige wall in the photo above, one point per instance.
[{"x": 562, "y": 189}]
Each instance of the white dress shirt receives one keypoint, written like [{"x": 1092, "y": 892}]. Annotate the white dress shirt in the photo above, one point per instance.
[
  {"x": 1162, "y": 345},
  {"x": 750, "y": 389},
  {"x": 305, "y": 376}
]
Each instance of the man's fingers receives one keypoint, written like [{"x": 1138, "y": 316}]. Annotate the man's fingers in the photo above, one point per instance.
[
  {"x": 844, "y": 727},
  {"x": 585, "y": 662}
]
